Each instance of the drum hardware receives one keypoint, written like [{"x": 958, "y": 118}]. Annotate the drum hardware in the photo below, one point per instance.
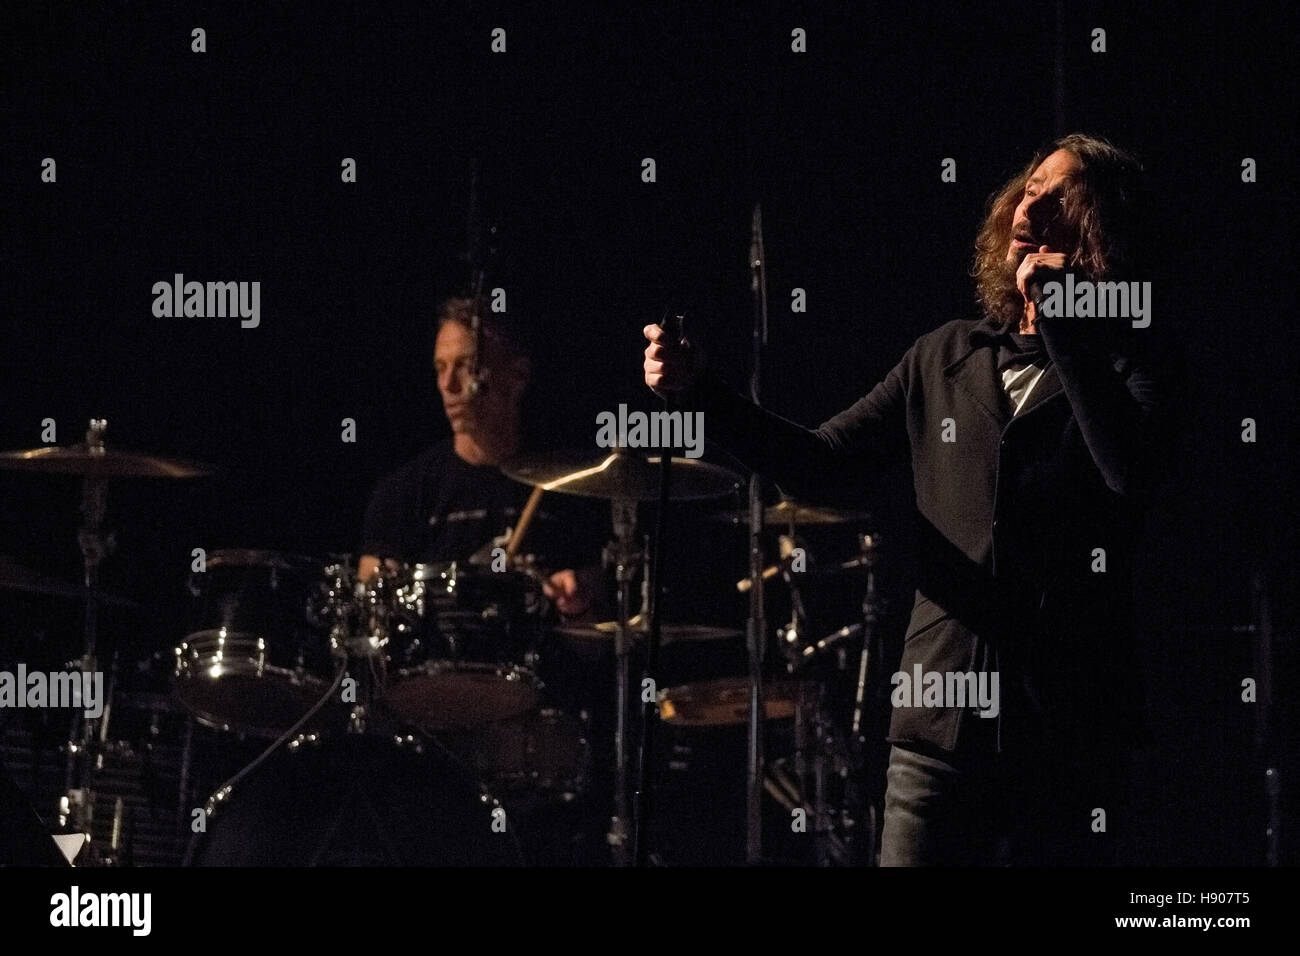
[
  {"x": 639, "y": 627},
  {"x": 820, "y": 775},
  {"x": 870, "y": 618},
  {"x": 358, "y": 799},
  {"x": 639, "y": 623},
  {"x": 624, "y": 478},
  {"x": 93, "y": 460},
  {"x": 621, "y": 475},
  {"x": 725, "y": 702},
  {"x": 256, "y": 659},
  {"x": 15, "y": 576},
  {"x": 756, "y": 633},
  {"x": 544, "y": 754},
  {"x": 292, "y": 737},
  {"x": 853, "y": 762},
  {"x": 95, "y": 464},
  {"x": 462, "y": 645},
  {"x": 793, "y": 514}
]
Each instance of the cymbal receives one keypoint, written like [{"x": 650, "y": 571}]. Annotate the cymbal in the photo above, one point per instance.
[
  {"x": 604, "y": 631},
  {"x": 788, "y": 511},
  {"x": 99, "y": 462},
  {"x": 16, "y": 577},
  {"x": 621, "y": 475},
  {"x": 725, "y": 702}
]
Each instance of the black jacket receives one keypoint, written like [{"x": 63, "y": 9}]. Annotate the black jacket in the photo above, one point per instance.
[{"x": 1010, "y": 513}]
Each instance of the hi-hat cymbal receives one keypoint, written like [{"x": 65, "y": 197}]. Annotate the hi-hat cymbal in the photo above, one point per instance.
[
  {"x": 17, "y": 577},
  {"x": 621, "y": 475},
  {"x": 789, "y": 512},
  {"x": 99, "y": 462},
  {"x": 639, "y": 627}
]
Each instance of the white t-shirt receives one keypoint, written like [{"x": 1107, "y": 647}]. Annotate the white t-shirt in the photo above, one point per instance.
[{"x": 1019, "y": 381}]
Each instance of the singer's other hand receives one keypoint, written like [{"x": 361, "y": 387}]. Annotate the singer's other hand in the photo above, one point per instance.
[{"x": 670, "y": 366}]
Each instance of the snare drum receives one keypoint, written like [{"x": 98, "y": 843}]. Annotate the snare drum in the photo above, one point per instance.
[
  {"x": 463, "y": 645},
  {"x": 253, "y": 662}
]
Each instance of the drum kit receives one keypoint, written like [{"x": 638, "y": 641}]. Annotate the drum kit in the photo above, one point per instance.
[{"x": 402, "y": 719}]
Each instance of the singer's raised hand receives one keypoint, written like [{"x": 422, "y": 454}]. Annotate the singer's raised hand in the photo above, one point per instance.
[{"x": 670, "y": 366}]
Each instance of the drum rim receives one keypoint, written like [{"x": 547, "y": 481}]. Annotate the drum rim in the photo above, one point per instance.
[{"x": 442, "y": 665}]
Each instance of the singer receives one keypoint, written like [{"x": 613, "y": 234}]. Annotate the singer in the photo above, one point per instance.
[{"x": 1033, "y": 442}]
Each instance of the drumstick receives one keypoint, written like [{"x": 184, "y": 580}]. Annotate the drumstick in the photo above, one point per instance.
[{"x": 521, "y": 528}]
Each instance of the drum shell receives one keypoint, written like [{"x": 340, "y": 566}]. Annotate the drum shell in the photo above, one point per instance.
[
  {"x": 251, "y": 660},
  {"x": 462, "y": 650}
]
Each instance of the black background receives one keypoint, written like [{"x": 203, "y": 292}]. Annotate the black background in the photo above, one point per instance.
[{"x": 226, "y": 166}]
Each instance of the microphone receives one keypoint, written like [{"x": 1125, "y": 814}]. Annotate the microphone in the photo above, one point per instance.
[
  {"x": 672, "y": 324},
  {"x": 1034, "y": 289}
]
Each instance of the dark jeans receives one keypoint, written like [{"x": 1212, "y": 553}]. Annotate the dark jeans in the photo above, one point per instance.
[{"x": 979, "y": 808}]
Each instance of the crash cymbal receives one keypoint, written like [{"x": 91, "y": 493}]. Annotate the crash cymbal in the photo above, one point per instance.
[
  {"x": 99, "y": 462},
  {"x": 789, "y": 512},
  {"x": 604, "y": 631},
  {"x": 724, "y": 702},
  {"x": 16, "y": 577},
  {"x": 621, "y": 475}
]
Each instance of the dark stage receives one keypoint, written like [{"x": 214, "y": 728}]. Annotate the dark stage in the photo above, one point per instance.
[{"x": 355, "y": 165}]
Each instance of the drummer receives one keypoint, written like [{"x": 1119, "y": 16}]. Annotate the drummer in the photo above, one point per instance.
[{"x": 452, "y": 502}]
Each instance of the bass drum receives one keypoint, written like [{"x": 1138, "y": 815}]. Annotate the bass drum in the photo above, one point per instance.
[{"x": 358, "y": 800}]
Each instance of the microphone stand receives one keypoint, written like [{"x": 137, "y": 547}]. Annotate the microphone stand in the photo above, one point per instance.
[
  {"x": 756, "y": 629},
  {"x": 672, "y": 324},
  {"x": 477, "y": 257}
]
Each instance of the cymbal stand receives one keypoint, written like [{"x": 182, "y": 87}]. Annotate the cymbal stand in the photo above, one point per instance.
[
  {"x": 858, "y": 745},
  {"x": 870, "y": 617},
  {"x": 626, "y": 559},
  {"x": 77, "y": 805},
  {"x": 792, "y": 633}
]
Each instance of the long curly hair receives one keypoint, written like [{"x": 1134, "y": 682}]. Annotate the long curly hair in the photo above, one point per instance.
[{"x": 1103, "y": 204}]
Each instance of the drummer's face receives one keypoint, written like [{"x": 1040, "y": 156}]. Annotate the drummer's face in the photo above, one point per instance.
[{"x": 453, "y": 360}]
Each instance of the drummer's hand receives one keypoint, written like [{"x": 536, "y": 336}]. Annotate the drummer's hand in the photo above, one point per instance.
[
  {"x": 369, "y": 564},
  {"x": 670, "y": 366},
  {"x": 572, "y": 593}
]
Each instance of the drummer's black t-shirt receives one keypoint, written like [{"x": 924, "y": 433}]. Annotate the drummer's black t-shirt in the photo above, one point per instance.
[{"x": 438, "y": 507}]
